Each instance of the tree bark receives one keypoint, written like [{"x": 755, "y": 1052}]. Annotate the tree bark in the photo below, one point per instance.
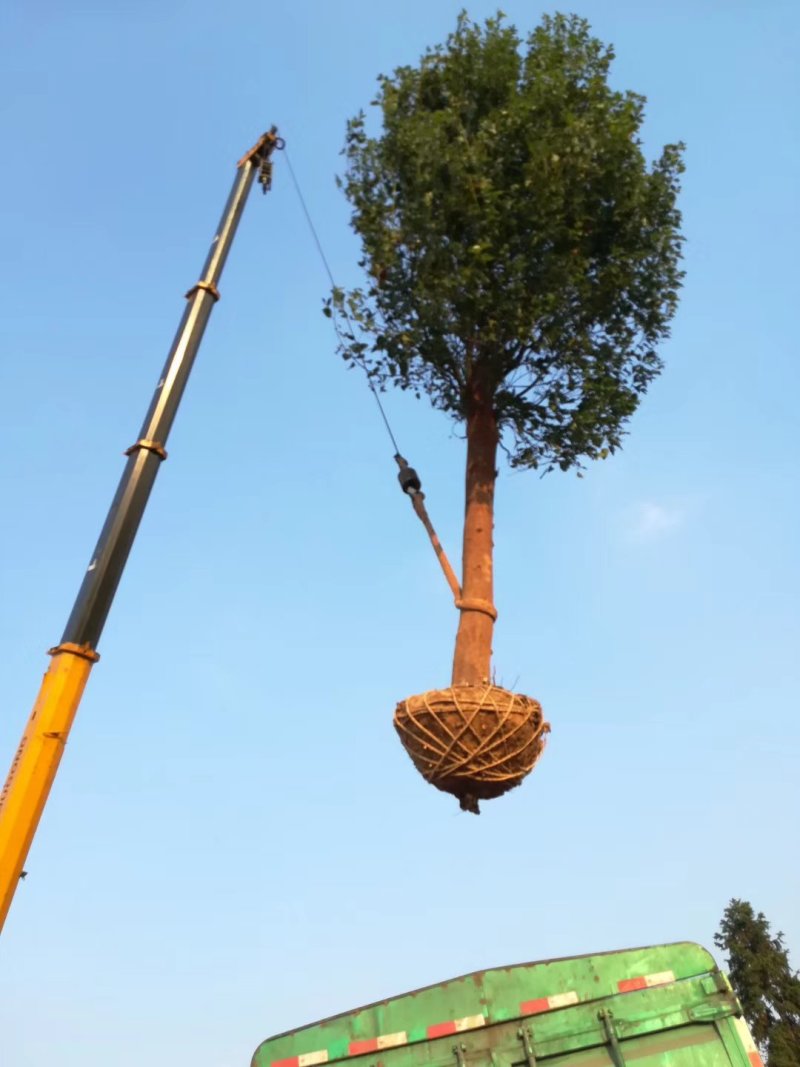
[{"x": 473, "y": 652}]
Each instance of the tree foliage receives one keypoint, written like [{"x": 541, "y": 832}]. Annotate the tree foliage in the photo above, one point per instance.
[
  {"x": 515, "y": 237},
  {"x": 768, "y": 989}
]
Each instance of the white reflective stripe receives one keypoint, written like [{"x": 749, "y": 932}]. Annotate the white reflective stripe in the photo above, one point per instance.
[
  {"x": 311, "y": 1059},
  {"x": 393, "y": 1040},
  {"x": 562, "y": 1000},
  {"x": 664, "y": 978},
  {"x": 745, "y": 1036},
  {"x": 469, "y": 1022}
]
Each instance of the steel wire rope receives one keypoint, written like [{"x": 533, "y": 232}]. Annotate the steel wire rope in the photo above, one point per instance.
[
  {"x": 332, "y": 280},
  {"x": 408, "y": 478}
]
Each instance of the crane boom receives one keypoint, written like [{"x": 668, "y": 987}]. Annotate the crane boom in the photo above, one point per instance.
[{"x": 36, "y": 761}]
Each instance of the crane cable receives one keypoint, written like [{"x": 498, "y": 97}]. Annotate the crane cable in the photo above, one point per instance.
[
  {"x": 407, "y": 476},
  {"x": 332, "y": 280}
]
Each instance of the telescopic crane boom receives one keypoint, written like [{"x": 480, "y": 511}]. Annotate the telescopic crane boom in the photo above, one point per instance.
[{"x": 36, "y": 761}]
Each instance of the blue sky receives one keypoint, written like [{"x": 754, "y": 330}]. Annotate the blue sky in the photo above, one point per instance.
[{"x": 236, "y": 842}]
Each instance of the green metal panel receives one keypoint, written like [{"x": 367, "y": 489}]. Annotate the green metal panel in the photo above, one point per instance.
[
  {"x": 685, "y": 1046},
  {"x": 510, "y": 1025}
]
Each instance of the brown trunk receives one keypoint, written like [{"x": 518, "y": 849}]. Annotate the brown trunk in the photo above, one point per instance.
[{"x": 473, "y": 654}]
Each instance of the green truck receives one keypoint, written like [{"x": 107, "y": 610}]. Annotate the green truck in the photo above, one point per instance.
[{"x": 665, "y": 1006}]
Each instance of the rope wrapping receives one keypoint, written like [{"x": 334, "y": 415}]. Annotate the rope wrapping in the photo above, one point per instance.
[{"x": 475, "y": 742}]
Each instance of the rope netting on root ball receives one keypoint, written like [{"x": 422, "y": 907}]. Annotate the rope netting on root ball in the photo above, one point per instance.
[{"x": 475, "y": 742}]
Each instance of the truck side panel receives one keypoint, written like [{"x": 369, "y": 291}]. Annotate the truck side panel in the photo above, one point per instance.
[{"x": 668, "y": 1006}]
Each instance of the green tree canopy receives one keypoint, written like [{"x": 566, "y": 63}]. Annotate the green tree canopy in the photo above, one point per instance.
[
  {"x": 522, "y": 255},
  {"x": 769, "y": 990},
  {"x": 515, "y": 237}
]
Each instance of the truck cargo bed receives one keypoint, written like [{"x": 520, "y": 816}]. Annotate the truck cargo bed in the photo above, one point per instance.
[{"x": 665, "y": 1006}]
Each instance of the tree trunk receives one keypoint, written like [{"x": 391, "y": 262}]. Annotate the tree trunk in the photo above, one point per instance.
[{"x": 473, "y": 654}]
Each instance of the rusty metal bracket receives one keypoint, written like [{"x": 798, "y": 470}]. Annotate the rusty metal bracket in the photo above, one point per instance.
[
  {"x": 458, "y": 1052},
  {"x": 526, "y": 1037},
  {"x": 207, "y": 287},
  {"x": 150, "y": 446},
  {"x": 607, "y": 1019}
]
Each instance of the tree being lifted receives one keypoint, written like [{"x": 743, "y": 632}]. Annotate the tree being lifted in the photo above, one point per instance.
[{"x": 524, "y": 264}]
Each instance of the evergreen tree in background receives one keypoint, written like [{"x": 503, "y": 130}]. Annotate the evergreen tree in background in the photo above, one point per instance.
[{"x": 769, "y": 990}]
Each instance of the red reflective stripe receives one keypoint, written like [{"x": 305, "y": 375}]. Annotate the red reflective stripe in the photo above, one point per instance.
[
  {"x": 456, "y": 1026},
  {"x": 376, "y": 1044},
  {"x": 358, "y": 1048},
  {"x": 629, "y": 984},
  {"x": 441, "y": 1029},
  {"x": 646, "y": 981},
  {"x": 557, "y": 1000},
  {"x": 755, "y": 1059},
  {"x": 305, "y": 1059},
  {"x": 534, "y": 1007}
]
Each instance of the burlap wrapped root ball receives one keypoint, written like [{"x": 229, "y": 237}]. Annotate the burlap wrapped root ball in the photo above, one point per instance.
[{"x": 475, "y": 742}]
